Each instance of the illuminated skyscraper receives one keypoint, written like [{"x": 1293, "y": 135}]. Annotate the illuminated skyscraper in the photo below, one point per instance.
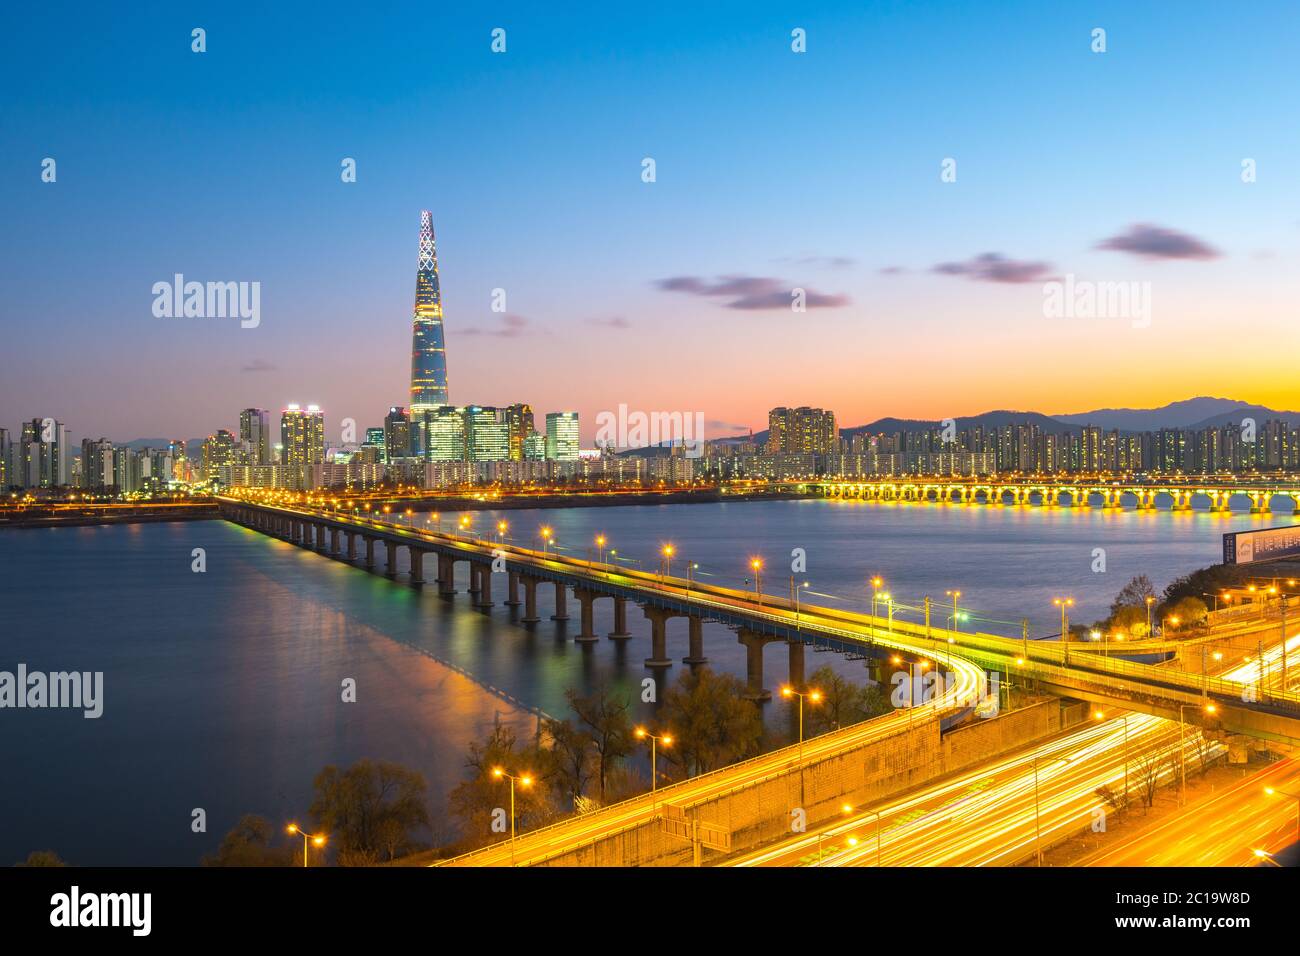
[
  {"x": 428, "y": 354},
  {"x": 562, "y": 436},
  {"x": 302, "y": 436}
]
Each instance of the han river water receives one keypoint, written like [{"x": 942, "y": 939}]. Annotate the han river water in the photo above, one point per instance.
[{"x": 222, "y": 689}]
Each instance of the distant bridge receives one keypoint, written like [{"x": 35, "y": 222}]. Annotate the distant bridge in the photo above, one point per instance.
[{"x": 1052, "y": 493}]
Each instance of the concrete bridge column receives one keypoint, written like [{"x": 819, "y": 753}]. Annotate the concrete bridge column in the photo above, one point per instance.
[
  {"x": 352, "y": 545},
  {"x": 658, "y": 638},
  {"x": 530, "y": 600},
  {"x": 587, "y": 633},
  {"x": 696, "y": 653},
  {"x": 753, "y": 643},
  {"x": 1259, "y": 504},
  {"x": 1219, "y": 501},
  {"x": 484, "y": 598},
  {"x": 1182, "y": 501},
  {"x": 475, "y": 583},
  {"x": 446, "y": 576},
  {"x": 390, "y": 562},
  {"x": 620, "y": 632},
  {"x": 513, "y": 599},
  {"x": 417, "y": 566},
  {"x": 796, "y": 665},
  {"x": 561, "y": 602},
  {"x": 334, "y": 540},
  {"x": 370, "y": 553}
]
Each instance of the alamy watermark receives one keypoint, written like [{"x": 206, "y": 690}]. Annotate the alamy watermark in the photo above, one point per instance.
[
  {"x": 212, "y": 300},
  {"x": 1071, "y": 298},
  {"x": 37, "y": 689},
  {"x": 623, "y": 429}
]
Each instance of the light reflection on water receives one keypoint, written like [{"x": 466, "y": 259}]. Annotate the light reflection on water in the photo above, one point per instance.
[{"x": 223, "y": 689}]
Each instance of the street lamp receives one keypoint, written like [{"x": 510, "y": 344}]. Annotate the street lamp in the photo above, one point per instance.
[
  {"x": 317, "y": 839},
  {"x": 1182, "y": 752},
  {"x": 501, "y": 531},
  {"x": 546, "y": 534},
  {"x": 756, "y": 565},
  {"x": 524, "y": 779},
  {"x": 1065, "y": 603},
  {"x": 814, "y": 696},
  {"x": 668, "y": 560},
  {"x": 643, "y": 734},
  {"x": 876, "y": 583},
  {"x": 794, "y": 596},
  {"x": 691, "y": 566},
  {"x": 1150, "y": 601},
  {"x": 954, "y": 595},
  {"x": 600, "y": 547}
]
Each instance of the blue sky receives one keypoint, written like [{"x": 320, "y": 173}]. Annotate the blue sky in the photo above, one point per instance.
[{"x": 770, "y": 165}]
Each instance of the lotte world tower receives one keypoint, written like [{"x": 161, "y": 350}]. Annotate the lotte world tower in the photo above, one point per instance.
[{"x": 428, "y": 353}]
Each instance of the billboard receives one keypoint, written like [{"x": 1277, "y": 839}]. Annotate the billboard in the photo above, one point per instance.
[{"x": 1266, "y": 544}]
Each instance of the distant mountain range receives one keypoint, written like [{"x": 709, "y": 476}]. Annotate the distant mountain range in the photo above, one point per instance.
[{"x": 1192, "y": 413}]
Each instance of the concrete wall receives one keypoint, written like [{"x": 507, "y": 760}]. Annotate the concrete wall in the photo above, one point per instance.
[{"x": 761, "y": 811}]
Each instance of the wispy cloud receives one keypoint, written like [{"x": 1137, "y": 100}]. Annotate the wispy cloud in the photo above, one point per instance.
[
  {"x": 1156, "y": 242},
  {"x": 826, "y": 262},
  {"x": 610, "y": 322},
  {"x": 512, "y": 327},
  {"x": 995, "y": 267},
  {"x": 258, "y": 365},
  {"x": 751, "y": 293}
]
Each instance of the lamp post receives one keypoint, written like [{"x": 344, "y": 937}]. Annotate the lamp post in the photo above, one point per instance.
[
  {"x": 1150, "y": 601},
  {"x": 643, "y": 734},
  {"x": 317, "y": 839},
  {"x": 954, "y": 595},
  {"x": 525, "y": 780},
  {"x": 691, "y": 566},
  {"x": 756, "y": 565},
  {"x": 501, "y": 531},
  {"x": 546, "y": 534},
  {"x": 1065, "y": 603},
  {"x": 668, "y": 560},
  {"x": 814, "y": 696},
  {"x": 1182, "y": 752},
  {"x": 600, "y": 547},
  {"x": 876, "y": 583},
  {"x": 794, "y": 597}
]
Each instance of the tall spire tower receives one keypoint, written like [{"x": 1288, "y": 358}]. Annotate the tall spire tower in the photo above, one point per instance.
[{"x": 428, "y": 353}]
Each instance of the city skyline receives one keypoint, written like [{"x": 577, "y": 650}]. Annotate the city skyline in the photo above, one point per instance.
[{"x": 600, "y": 268}]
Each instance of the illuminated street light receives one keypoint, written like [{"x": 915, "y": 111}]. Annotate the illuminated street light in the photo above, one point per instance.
[
  {"x": 501, "y": 531},
  {"x": 525, "y": 780},
  {"x": 1065, "y": 603},
  {"x": 317, "y": 840},
  {"x": 756, "y": 565},
  {"x": 668, "y": 560},
  {"x": 655, "y": 739},
  {"x": 546, "y": 534}
]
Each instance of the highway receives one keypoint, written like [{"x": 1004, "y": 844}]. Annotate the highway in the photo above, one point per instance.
[
  {"x": 990, "y": 816},
  {"x": 1222, "y": 829}
]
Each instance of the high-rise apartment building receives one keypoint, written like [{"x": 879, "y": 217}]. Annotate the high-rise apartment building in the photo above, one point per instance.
[
  {"x": 562, "y": 436},
  {"x": 520, "y": 423},
  {"x": 302, "y": 436},
  {"x": 802, "y": 431},
  {"x": 255, "y": 435}
]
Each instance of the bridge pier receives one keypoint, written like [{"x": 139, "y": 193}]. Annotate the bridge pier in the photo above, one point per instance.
[
  {"x": 561, "y": 602},
  {"x": 530, "y": 600},
  {"x": 370, "y": 553},
  {"x": 390, "y": 563},
  {"x": 753, "y": 643},
  {"x": 513, "y": 589},
  {"x": 475, "y": 583},
  {"x": 417, "y": 566},
  {"x": 446, "y": 576},
  {"x": 483, "y": 598},
  {"x": 797, "y": 680},
  {"x": 696, "y": 653},
  {"x": 620, "y": 632},
  {"x": 587, "y": 633},
  {"x": 334, "y": 541},
  {"x": 658, "y": 638},
  {"x": 352, "y": 545}
]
